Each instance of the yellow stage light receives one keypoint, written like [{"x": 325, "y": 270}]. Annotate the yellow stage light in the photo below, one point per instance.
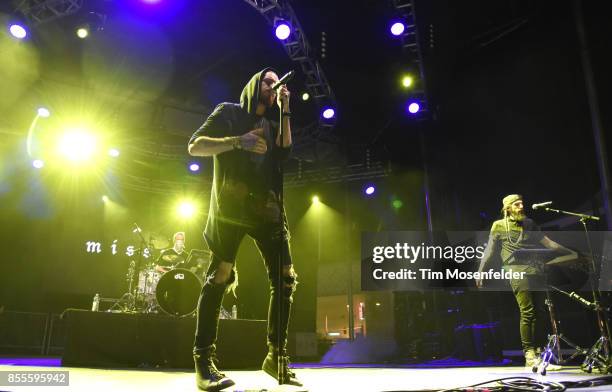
[
  {"x": 315, "y": 200},
  {"x": 407, "y": 81},
  {"x": 186, "y": 209},
  {"x": 77, "y": 145},
  {"x": 82, "y": 32}
]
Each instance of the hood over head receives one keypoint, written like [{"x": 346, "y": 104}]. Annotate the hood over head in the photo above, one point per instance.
[{"x": 250, "y": 93}]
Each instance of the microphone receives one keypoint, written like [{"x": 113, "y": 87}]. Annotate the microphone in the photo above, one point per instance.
[
  {"x": 541, "y": 205},
  {"x": 136, "y": 228},
  {"x": 284, "y": 80}
]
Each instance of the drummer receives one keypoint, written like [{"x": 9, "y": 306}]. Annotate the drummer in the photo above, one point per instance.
[{"x": 173, "y": 257}]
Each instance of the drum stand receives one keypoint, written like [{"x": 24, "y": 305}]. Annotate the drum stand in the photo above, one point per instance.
[
  {"x": 131, "y": 302},
  {"x": 599, "y": 354},
  {"x": 552, "y": 351},
  {"x": 127, "y": 302}
]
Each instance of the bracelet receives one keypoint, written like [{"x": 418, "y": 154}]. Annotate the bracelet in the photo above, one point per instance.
[{"x": 235, "y": 141}]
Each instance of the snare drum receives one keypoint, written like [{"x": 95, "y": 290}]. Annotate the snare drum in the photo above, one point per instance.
[{"x": 178, "y": 291}]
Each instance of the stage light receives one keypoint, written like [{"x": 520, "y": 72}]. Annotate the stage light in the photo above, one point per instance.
[
  {"x": 18, "y": 31},
  {"x": 407, "y": 81},
  {"x": 282, "y": 30},
  {"x": 194, "y": 167},
  {"x": 414, "y": 107},
  {"x": 113, "y": 152},
  {"x": 105, "y": 199},
  {"x": 77, "y": 145},
  {"x": 315, "y": 200},
  {"x": 305, "y": 97},
  {"x": 82, "y": 32},
  {"x": 397, "y": 28},
  {"x": 43, "y": 112},
  {"x": 370, "y": 190},
  {"x": 328, "y": 113},
  {"x": 186, "y": 209},
  {"x": 151, "y": 1},
  {"x": 397, "y": 204},
  {"x": 38, "y": 164}
]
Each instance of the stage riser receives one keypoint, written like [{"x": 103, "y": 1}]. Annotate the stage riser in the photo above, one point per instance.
[{"x": 100, "y": 339}]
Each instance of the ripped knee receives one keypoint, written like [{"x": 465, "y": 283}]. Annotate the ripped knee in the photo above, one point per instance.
[
  {"x": 223, "y": 275},
  {"x": 289, "y": 281}
]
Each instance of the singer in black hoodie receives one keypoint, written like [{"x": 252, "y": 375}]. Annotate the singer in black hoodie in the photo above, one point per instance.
[{"x": 246, "y": 149}]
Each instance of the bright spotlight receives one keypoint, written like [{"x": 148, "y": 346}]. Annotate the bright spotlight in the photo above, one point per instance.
[
  {"x": 18, "y": 31},
  {"x": 407, "y": 81},
  {"x": 397, "y": 28},
  {"x": 315, "y": 200},
  {"x": 370, "y": 190},
  {"x": 282, "y": 30},
  {"x": 414, "y": 107},
  {"x": 82, "y": 32},
  {"x": 328, "y": 113},
  {"x": 194, "y": 167},
  {"x": 186, "y": 209},
  {"x": 113, "y": 152},
  {"x": 38, "y": 164},
  {"x": 105, "y": 199},
  {"x": 43, "y": 112},
  {"x": 305, "y": 97},
  {"x": 77, "y": 146}
]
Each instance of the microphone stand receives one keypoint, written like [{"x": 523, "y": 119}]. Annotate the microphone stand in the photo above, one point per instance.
[
  {"x": 599, "y": 354},
  {"x": 279, "y": 276},
  {"x": 281, "y": 376}
]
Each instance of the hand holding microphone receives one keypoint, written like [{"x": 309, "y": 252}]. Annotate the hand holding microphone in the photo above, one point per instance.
[{"x": 280, "y": 87}]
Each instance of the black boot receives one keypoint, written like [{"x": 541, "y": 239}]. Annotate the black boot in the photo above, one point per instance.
[
  {"x": 208, "y": 377},
  {"x": 270, "y": 366}
]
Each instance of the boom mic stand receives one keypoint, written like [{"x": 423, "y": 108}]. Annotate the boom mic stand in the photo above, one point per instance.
[{"x": 599, "y": 354}]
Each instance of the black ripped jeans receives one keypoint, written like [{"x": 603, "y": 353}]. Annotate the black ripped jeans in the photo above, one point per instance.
[
  {"x": 533, "y": 317},
  {"x": 268, "y": 242}
]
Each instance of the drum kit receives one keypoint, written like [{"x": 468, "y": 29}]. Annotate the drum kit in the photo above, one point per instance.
[{"x": 172, "y": 290}]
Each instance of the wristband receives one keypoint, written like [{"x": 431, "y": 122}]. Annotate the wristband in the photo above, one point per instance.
[
  {"x": 286, "y": 114},
  {"x": 236, "y": 145}
]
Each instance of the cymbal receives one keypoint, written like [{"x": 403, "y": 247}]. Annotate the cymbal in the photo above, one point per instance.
[{"x": 160, "y": 243}]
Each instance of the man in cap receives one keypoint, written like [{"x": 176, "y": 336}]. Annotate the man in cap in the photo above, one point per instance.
[{"x": 513, "y": 232}]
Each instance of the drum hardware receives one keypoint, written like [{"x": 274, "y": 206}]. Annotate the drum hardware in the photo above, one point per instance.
[{"x": 599, "y": 354}]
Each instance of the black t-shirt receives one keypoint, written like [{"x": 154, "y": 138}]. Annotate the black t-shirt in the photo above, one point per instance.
[
  {"x": 171, "y": 258},
  {"x": 240, "y": 174},
  {"x": 508, "y": 236}
]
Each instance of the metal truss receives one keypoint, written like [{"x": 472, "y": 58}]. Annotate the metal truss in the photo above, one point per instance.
[
  {"x": 42, "y": 11},
  {"x": 299, "y": 50},
  {"x": 411, "y": 43},
  {"x": 201, "y": 185}
]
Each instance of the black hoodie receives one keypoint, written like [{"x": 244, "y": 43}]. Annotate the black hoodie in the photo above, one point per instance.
[{"x": 238, "y": 174}]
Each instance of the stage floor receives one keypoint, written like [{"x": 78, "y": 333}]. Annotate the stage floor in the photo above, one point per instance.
[{"x": 369, "y": 379}]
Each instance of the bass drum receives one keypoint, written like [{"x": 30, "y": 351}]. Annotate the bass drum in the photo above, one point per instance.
[{"x": 178, "y": 291}]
